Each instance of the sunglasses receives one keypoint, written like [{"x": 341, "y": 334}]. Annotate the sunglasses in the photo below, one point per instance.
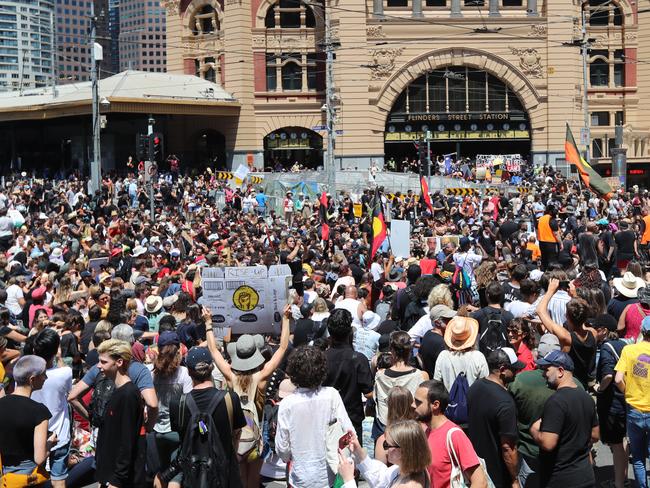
[{"x": 387, "y": 446}]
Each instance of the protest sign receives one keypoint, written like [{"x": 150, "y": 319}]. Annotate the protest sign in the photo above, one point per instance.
[
  {"x": 249, "y": 299},
  {"x": 96, "y": 264},
  {"x": 400, "y": 238}
]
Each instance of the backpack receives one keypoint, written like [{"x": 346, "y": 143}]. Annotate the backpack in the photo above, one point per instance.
[
  {"x": 457, "y": 408},
  {"x": 461, "y": 285},
  {"x": 494, "y": 336},
  {"x": 102, "y": 393},
  {"x": 202, "y": 457},
  {"x": 251, "y": 434},
  {"x": 317, "y": 331}
]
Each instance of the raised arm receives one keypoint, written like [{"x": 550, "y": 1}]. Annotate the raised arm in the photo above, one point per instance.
[
  {"x": 218, "y": 359},
  {"x": 542, "y": 312},
  {"x": 277, "y": 357}
]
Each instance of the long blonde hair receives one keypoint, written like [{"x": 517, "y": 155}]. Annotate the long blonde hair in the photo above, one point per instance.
[{"x": 415, "y": 453}]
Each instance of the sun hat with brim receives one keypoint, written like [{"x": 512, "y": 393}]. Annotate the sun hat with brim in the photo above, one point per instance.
[
  {"x": 153, "y": 303},
  {"x": 370, "y": 320},
  {"x": 139, "y": 251},
  {"x": 514, "y": 360},
  {"x": 169, "y": 301},
  {"x": 442, "y": 311},
  {"x": 461, "y": 333},
  {"x": 628, "y": 285},
  {"x": 245, "y": 354},
  {"x": 558, "y": 359},
  {"x": 394, "y": 275}
]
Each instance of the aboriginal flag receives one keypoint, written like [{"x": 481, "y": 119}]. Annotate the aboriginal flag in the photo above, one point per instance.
[
  {"x": 322, "y": 211},
  {"x": 378, "y": 225},
  {"x": 424, "y": 188},
  {"x": 588, "y": 175}
]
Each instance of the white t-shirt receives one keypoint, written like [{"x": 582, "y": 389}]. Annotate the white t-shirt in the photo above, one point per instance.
[
  {"x": 376, "y": 270},
  {"x": 14, "y": 293},
  {"x": 54, "y": 395},
  {"x": 450, "y": 363}
]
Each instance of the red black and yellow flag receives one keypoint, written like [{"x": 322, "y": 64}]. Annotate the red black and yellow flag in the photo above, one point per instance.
[
  {"x": 378, "y": 225},
  {"x": 424, "y": 188},
  {"x": 324, "y": 221},
  {"x": 588, "y": 175}
]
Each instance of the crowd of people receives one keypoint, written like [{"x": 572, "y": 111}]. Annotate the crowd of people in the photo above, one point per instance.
[{"x": 512, "y": 339}]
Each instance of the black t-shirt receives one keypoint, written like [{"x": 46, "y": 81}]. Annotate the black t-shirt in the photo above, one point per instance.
[
  {"x": 492, "y": 416},
  {"x": 624, "y": 244},
  {"x": 511, "y": 293},
  {"x": 21, "y": 415},
  {"x": 431, "y": 345},
  {"x": 506, "y": 229},
  {"x": 570, "y": 413},
  {"x": 121, "y": 445},
  {"x": 87, "y": 336},
  {"x": 349, "y": 372},
  {"x": 612, "y": 400},
  {"x": 202, "y": 398}
]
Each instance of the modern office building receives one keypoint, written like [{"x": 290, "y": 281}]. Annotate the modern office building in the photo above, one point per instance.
[
  {"x": 482, "y": 76},
  {"x": 114, "y": 32},
  {"x": 142, "y": 35},
  {"x": 26, "y": 44},
  {"x": 73, "y": 38}
]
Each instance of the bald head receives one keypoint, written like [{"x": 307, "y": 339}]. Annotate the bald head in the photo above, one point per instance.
[{"x": 351, "y": 291}]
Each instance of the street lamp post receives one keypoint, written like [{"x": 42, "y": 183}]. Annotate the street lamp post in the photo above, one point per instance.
[{"x": 95, "y": 57}]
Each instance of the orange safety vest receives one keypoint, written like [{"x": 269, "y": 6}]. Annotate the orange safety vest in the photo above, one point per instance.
[
  {"x": 645, "y": 238},
  {"x": 544, "y": 231}
]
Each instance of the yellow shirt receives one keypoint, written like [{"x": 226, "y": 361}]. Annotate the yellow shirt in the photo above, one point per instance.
[{"x": 635, "y": 363}]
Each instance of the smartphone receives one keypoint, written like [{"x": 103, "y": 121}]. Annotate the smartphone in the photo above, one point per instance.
[
  {"x": 564, "y": 284},
  {"x": 345, "y": 440}
]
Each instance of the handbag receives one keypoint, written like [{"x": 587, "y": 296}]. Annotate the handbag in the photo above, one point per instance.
[
  {"x": 15, "y": 480},
  {"x": 457, "y": 477}
]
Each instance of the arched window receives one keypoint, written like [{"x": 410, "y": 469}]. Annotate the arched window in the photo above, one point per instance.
[
  {"x": 603, "y": 13},
  {"x": 599, "y": 72},
  {"x": 291, "y": 76},
  {"x": 205, "y": 21},
  {"x": 290, "y": 14}
]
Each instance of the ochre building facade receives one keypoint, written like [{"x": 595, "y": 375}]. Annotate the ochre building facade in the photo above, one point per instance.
[{"x": 479, "y": 76}]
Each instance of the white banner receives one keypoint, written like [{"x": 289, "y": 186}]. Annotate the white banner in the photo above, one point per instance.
[
  {"x": 249, "y": 299},
  {"x": 400, "y": 238}
]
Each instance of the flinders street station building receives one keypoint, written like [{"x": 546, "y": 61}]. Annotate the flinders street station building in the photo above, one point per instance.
[{"x": 481, "y": 76}]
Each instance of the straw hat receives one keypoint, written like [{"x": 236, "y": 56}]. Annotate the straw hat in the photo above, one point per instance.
[
  {"x": 460, "y": 333},
  {"x": 628, "y": 285}
]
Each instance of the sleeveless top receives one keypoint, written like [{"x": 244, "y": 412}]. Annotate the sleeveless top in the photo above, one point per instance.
[
  {"x": 633, "y": 318},
  {"x": 584, "y": 357}
]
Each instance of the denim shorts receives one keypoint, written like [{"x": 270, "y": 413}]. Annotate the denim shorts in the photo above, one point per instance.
[{"x": 59, "y": 463}]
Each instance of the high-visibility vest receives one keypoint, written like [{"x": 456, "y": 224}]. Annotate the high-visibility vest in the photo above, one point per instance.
[
  {"x": 645, "y": 238},
  {"x": 544, "y": 231}
]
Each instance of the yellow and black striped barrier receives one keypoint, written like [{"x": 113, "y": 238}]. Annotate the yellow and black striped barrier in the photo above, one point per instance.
[
  {"x": 224, "y": 175},
  {"x": 461, "y": 192}
]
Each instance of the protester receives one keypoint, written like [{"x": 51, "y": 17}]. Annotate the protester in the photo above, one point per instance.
[{"x": 567, "y": 429}]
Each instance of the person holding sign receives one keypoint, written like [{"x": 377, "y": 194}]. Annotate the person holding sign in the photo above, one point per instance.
[{"x": 246, "y": 375}]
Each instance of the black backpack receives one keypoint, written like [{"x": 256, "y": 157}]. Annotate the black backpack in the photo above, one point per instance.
[
  {"x": 317, "y": 331},
  {"x": 414, "y": 311},
  {"x": 104, "y": 388},
  {"x": 202, "y": 457},
  {"x": 495, "y": 335}
]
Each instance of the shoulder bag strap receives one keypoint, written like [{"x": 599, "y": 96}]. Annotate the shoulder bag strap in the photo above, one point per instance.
[
  {"x": 453, "y": 457},
  {"x": 611, "y": 348}
]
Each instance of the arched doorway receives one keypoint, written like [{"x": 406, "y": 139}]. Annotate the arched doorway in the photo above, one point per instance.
[
  {"x": 464, "y": 110},
  {"x": 210, "y": 149},
  {"x": 289, "y": 145}
]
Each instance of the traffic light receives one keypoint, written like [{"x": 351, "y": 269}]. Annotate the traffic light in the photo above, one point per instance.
[
  {"x": 142, "y": 147},
  {"x": 422, "y": 156},
  {"x": 156, "y": 147}
]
